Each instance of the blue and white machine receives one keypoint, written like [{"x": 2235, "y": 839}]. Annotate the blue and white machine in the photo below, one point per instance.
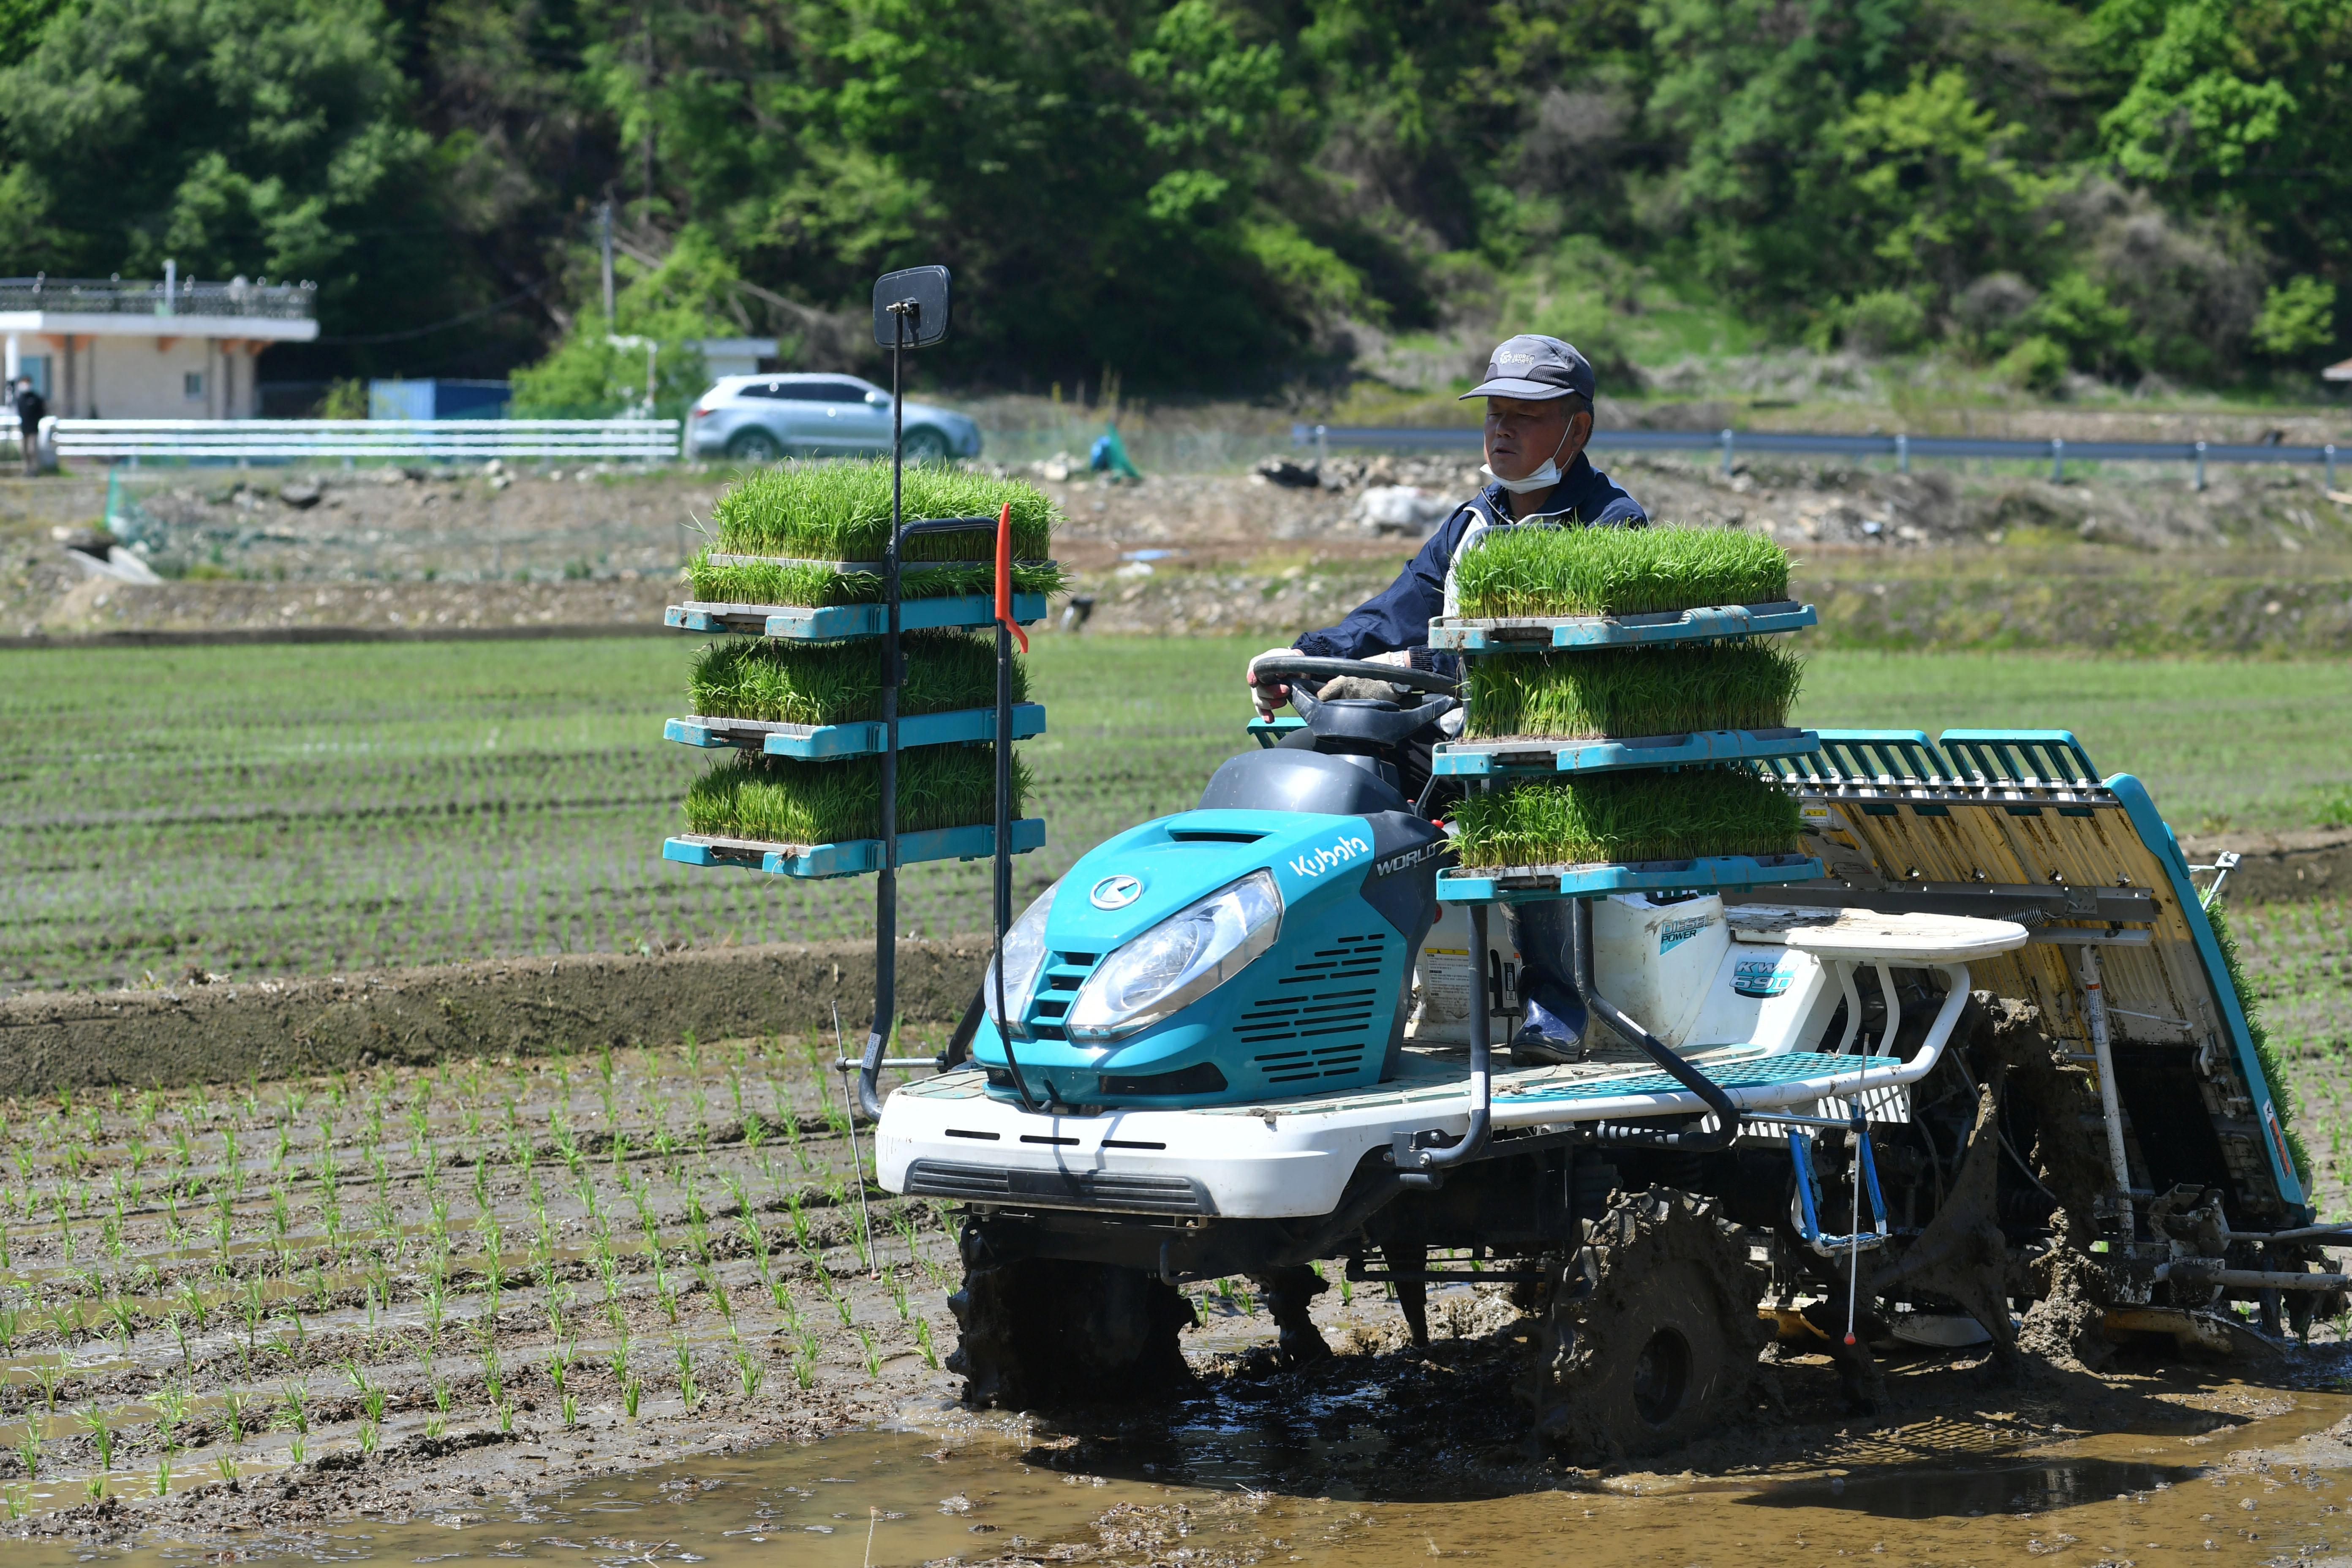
[{"x": 1211, "y": 1059}]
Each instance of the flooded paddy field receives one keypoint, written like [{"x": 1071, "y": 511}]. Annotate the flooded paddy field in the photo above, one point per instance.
[{"x": 638, "y": 1307}]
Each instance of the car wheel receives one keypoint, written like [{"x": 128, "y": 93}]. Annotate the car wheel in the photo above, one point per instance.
[
  {"x": 925, "y": 446},
  {"x": 754, "y": 446}
]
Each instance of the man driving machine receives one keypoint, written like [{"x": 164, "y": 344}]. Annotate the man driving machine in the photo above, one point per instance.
[{"x": 1539, "y": 394}]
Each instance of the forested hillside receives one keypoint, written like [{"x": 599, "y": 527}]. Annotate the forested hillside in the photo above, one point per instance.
[{"x": 1216, "y": 195}]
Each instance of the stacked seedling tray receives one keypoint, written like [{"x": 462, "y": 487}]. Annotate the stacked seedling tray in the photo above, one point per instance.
[
  {"x": 797, "y": 703},
  {"x": 1622, "y": 686}
]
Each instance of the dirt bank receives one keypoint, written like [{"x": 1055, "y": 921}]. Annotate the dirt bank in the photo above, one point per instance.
[
  {"x": 2272, "y": 866},
  {"x": 1933, "y": 558},
  {"x": 218, "y": 1033}
]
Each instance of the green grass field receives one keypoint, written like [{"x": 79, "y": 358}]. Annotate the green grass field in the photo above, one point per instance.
[{"x": 312, "y": 809}]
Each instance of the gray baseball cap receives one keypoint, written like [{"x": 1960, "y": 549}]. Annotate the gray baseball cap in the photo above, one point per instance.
[{"x": 1532, "y": 365}]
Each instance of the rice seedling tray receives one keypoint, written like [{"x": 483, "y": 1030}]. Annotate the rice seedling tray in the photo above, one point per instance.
[
  {"x": 853, "y": 856},
  {"x": 861, "y": 738},
  {"x": 1535, "y": 757},
  {"x": 861, "y": 568},
  {"x": 1535, "y": 884},
  {"x": 835, "y": 623},
  {"x": 1526, "y": 634}
]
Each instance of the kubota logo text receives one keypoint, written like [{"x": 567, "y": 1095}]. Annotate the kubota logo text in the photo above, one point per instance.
[{"x": 1315, "y": 862}]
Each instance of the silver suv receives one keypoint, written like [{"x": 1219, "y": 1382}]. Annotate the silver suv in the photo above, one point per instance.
[{"x": 760, "y": 418}]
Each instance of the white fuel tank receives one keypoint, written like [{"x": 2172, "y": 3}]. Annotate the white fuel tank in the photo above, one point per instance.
[
  {"x": 1659, "y": 960},
  {"x": 1441, "y": 981}
]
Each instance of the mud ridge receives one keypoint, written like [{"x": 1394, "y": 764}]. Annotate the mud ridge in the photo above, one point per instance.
[{"x": 222, "y": 1032}]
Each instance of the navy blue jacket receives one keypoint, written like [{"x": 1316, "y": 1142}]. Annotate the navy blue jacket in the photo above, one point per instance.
[{"x": 1399, "y": 616}]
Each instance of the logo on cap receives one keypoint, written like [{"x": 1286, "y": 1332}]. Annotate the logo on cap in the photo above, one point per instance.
[{"x": 1115, "y": 892}]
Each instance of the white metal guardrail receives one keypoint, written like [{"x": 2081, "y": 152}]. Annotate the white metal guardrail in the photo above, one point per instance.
[
  {"x": 443, "y": 440},
  {"x": 1902, "y": 449}
]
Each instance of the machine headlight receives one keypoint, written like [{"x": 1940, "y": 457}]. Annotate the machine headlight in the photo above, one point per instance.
[
  {"x": 1179, "y": 961},
  {"x": 1025, "y": 957}
]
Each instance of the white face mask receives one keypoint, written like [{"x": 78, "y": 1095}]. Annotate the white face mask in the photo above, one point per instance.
[{"x": 1543, "y": 478}]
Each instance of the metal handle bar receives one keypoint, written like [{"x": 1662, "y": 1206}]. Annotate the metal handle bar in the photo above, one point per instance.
[{"x": 1313, "y": 667}]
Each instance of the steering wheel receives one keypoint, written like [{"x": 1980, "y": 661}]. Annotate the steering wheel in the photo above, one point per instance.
[{"x": 1308, "y": 667}]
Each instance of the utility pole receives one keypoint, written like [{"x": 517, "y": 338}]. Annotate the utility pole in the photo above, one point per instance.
[{"x": 604, "y": 223}]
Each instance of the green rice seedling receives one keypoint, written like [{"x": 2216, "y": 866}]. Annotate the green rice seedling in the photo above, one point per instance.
[
  {"x": 179, "y": 1337},
  {"x": 897, "y": 1288},
  {"x": 631, "y": 1390},
  {"x": 749, "y": 1372},
  {"x": 741, "y": 582},
  {"x": 1618, "y": 818},
  {"x": 192, "y": 1301},
  {"x": 841, "y": 683},
  {"x": 872, "y": 1356},
  {"x": 236, "y": 1414},
  {"x": 370, "y": 1433},
  {"x": 923, "y": 1339},
  {"x": 162, "y": 1475},
  {"x": 781, "y": 800},
  {"x": 1617, "y": 571},
  {"x": 1749, "y": 685},
  {"x": 821, "y": 513},
  {"x": 296, "y": 1417},
  {"x": 51, "y": 1376},
  {"x": 16, "y": 1501},
  {"x": 570, "y": 1410},
  {"x": 101, "y": 1435},
  {"x": 125, "y": 1317},
  {"x": 225, "y": 1465},
  {"x": 28, "y": 1450},
  {"x": 8, "y": 1321}
]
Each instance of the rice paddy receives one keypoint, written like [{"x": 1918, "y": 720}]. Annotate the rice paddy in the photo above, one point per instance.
[
  {"x": 1616, "y": 571},
  {"x": 1634, "y": 815},
  {"x": 785, "y": 682},
  {"x": 779, "y": 800},
  {"x": 238, "y": 1281},
  {"x": 1745, "y": 685},
  {"x": 317, "y": 809}
]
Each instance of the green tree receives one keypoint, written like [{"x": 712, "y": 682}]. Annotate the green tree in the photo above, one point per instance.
[
  {"x": 2298, "y": 318},
  {"x": 2241, "y": 107}
]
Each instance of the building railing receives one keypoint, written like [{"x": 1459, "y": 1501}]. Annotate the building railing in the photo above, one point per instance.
[
  {"x": 113, "y": 297},
  {"x": 436, "y": 440},
  {"x": 2056, "y": 450}
]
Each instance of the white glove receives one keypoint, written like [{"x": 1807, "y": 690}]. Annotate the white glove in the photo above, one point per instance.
[{"x": 1272, "y": 693}]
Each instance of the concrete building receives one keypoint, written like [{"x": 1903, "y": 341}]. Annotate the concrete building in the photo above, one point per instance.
[
  {"x": 738, "y": 356},
  {"x": 175, "y": 349}
]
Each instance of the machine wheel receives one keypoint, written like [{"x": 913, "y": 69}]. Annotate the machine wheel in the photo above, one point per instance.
[
  {"x": 754, "y": 446},
  {"x": 1038, "y": 1332},
  {"x": 925, "y": 444},
  {"x": 1650, "y": 1337}
]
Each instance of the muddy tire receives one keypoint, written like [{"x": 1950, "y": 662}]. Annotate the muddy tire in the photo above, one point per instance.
[
  {"x": 1650, "y": 1337},
  {"x": 1042, "y": 1333}
]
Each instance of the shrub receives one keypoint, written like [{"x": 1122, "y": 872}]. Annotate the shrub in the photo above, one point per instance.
[{"x": 1884, "y": 322}]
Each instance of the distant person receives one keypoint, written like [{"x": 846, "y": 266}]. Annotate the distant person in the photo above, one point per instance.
[
  {"x": 1539, "y": 394},
  {"x": 31, "y": 409}
]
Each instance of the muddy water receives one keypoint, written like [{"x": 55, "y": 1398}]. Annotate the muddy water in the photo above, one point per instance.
[{"x": 2225, "y": 1473}]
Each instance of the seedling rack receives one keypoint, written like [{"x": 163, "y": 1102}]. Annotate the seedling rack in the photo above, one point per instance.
[
  {"x": 1498, "y": 764},
  {"x": 911, "y": 311}
]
